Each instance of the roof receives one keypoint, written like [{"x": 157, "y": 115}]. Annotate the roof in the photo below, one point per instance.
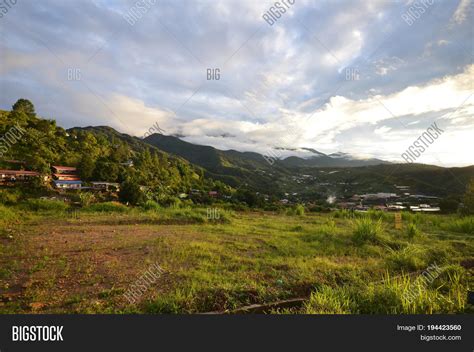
[
  {"x": 64, "y": 168},
  {"x": 19, "y": 172},
  {"x": 67, "y": 182}
]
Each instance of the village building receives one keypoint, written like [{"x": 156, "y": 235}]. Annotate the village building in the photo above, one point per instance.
[
  {"x": 12, "y": 176},
  {"x": 105, "y": 186},
  {"x": 61, "y": 184}
]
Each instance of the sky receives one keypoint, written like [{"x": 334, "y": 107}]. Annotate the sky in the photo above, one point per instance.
[{"x": 361, "y": 77}]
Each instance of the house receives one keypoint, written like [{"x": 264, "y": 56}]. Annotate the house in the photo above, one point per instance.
[
  {"x": 65, "y": 173},
  {"x": 128, "y": 163},
  {"x": 8, "y": 176},
  {"x": 60, "y": 184},
  {"x": 346, "y": 205},
  {"x": 105, "y": 186},
  {"x": 64, "y": 169},
  {"x": 213, "y": 194},
  {"x": 425, "y": 208}
]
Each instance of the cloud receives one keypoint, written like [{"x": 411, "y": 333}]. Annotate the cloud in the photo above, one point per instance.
[
  {"x": 461, "y": 12},
  {"x": 281, "y": 86}
]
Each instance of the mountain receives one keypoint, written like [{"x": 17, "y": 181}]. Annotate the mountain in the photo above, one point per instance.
[
  {"x": 234, "y": 162},
  {"x": 230, "y": 166},
  {"x": 317, "y": 176}
]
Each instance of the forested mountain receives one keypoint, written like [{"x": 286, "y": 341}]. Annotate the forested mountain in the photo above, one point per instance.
[
  {"x": 319, "y": 176},
  {"x": 230, "y": 166},
  {"x": 167, "y": 165},
  {"x": 99, "y": 153}
]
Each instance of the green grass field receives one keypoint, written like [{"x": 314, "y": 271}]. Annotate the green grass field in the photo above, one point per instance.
[{"x": 53, "y": 260}]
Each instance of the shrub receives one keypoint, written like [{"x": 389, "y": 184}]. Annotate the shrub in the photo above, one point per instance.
[
  {"x": 366, "y": 230},
  {"x": 107, "y": 207},
  {"x": 45, "y": 205}
]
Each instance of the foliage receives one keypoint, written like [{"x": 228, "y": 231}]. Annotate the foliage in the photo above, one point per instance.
[
  {"x": 130, "y": 192},
  {"x": 468, "y": 200},
  {"x": 449, "y": 205},
  {"x": 24, "y": 106}
]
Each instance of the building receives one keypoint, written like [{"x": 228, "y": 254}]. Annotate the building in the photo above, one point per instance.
[
  {"x": 64, "y": 169},
  {"x": 213, "y": 194},
  {"x": 11, "y": 176},
  {"x": 65, "y": 173},
  {"x": 424, "y": 208},
  {"x": 60, "y": 184},
  {"x": 105, "y": 186}
]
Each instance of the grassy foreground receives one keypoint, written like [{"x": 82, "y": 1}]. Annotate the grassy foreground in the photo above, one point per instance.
[{"x": 58, "y": 261}]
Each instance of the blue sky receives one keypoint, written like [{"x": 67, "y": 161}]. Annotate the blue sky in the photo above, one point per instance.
[{"x": 281, "y": 86}]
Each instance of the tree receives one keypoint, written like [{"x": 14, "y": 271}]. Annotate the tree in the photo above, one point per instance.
[
  {"x": 86, "y": 167},
  {"x": 25, "y": 106},
  {"x": 130, "y": 192},
  {"x": 449, "y": 205},
  {"x": 468, "y": 200}
]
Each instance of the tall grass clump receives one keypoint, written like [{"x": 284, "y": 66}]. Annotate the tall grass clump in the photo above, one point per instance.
[
  {"x": 414, "y": 295},
  {"x": 408, "y": 259},
  {"x": 106, "y": 207},
  {"x": 297, "y": 210},
  {"x": 7, "y": 216},
  {"x": 45, "y": 205},
  {"x": 328, "y": 300},
  {"x": 412, "y": 231},
  {"x": 151, "y": 205},
  {"x": 376, "y": 214},
  {"x": 9, "y": 197},
  {"x": 343, "y": 214},
  {"x": 366, "y": 230},
  {"x": 463, "y": 225}
]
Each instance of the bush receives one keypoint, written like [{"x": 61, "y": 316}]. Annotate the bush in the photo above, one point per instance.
[
  {"x": 45, "y": 205},
  {"x": 366, "y": 230},
  {"x": 107, "y": 207}
]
